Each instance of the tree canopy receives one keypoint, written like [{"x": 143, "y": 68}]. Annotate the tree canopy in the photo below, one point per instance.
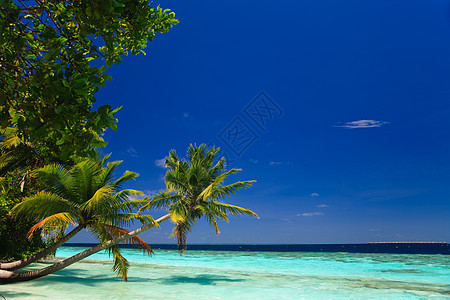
[
  {"x": 53, "y": 59},
  {"x": 194, "y": 188}
]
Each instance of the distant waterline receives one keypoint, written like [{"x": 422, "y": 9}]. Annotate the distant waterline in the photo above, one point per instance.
[
  {"x": 388, "y": 247},
  {"x": 245, "y": 275}
]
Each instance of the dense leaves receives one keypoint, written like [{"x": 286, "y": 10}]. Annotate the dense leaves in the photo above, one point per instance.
[
  {"x": 53, "y": 59},
  {"x": 14, "y": 243},
  {"x": 17, "y": 159}
]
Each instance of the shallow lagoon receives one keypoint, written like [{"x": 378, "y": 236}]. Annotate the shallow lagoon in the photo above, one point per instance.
[{"x": 245, "y": 275}]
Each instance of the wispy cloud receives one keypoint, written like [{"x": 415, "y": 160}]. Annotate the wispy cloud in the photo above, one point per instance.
[
  {"x": 362, "y": 124},
  {"x": 314, "y": 195},
  {"x": 160, "y": 163},
  {"x": 322, "y": 205},
  {"x": 186, "y": 115},
  {"x": 132, "y": 152},
  {"x": 255, "y": 161},
  {"x": 310, "y": 214},
  {"x": 275, "y": 163}
]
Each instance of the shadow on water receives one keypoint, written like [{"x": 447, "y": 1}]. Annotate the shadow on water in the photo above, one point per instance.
[
  {"x": 11, "y": 295},
  {"x": 200, "y": 279}
]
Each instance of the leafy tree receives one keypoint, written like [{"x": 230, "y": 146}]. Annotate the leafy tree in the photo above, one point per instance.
[
  {"x": 87, "y": 197},
  {"x": 53, "y": 59},
  {"x": 196, "y": 186},
  {"x": 52, "y": 56},
  {"x": 17, "y": 159}
]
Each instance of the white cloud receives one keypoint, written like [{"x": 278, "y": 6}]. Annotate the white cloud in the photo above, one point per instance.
[
  {"x": 275, "y": 163},
  {"x": 362, "y": 124},
  {"x": 132, "y": 152},
  {"x": 186, "y": 115},
  {"x": 322, "y": 205},
  {"x": 311, "y": 214},
  {"x": 314, "y": 195},
  {"x": 253, "y": 160},
  {"x": 160, "y": 163}
]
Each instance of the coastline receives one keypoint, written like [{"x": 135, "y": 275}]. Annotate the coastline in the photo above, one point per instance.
[
  {"x": 244, "y": 275},
  {"x": 378, "y": 247}
]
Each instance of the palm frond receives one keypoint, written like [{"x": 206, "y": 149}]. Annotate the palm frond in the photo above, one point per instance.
[
  {"x": 179, "y": 211},
  {"x": 136, "y": 241},
  {"x": 127, "y": 176},
  {"x": 126, "y": 219},
  {"x": 56, "y": 178},
  {"x": 56, "y": 221},
  {"x": 106, "y": 174},
  {"x": 180, "y": 231},
  {"x": 121, "y": 264},
  {"x": 125, "y": 195},
  {"x": 227, "y": 209},
  {"x": 176, "y": 181},
  {"x": 83, "y": 176},
  {"x": 160, "y": 201},
  {"x": 129, "y": 205},
  {"x": 172, "y": 161},
  {"x": 102, "y": 159},
  {"x": 43, "y": 204},
  {"x": 228, "y": 190},
  {"x": 218, "y": 168},
  {"x": 101, "y": 201},
  {"x": 11, "y": 139}
]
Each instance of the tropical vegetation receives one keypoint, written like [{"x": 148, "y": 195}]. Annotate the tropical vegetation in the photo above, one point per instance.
[
  {"x": 194, "y": 186},
  {"x": 54, "y": 58}
]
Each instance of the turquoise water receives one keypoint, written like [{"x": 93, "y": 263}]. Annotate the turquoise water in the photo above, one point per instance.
[{"x": 245, "y": 275}]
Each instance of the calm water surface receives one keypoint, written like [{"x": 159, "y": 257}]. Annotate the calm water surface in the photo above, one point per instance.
[{"x": 245, "y": 275}]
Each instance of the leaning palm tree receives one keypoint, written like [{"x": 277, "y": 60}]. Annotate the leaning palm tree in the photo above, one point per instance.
[
  {"x": 194, "y": 188},
  {"x": 85, "y": 196}
]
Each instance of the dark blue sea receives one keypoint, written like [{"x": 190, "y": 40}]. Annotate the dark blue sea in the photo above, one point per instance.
[{"x": 395, "y": 248}]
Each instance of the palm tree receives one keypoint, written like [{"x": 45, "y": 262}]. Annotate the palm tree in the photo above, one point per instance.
[
  {"x": 87, "y": 197},
  {"x": 194, "y": 188}
]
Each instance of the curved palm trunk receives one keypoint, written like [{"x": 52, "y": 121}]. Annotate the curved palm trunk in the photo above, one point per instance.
[
  {"x": 18, "y": 264},
  {"x": 7, "y": 276}
]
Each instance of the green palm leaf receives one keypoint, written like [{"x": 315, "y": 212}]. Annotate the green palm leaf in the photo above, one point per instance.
[{"x": 44, "y": 204}]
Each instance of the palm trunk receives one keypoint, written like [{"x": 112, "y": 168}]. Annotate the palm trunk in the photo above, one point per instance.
[
  {"x": 18, "y": 264},
  {"x": 7, "y": 276}
]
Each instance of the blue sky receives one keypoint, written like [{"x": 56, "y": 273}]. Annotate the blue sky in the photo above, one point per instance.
[{"x": 357, "y": 147}]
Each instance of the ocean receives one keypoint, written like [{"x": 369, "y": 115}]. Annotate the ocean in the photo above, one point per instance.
[{"x": 248, "y": 272}]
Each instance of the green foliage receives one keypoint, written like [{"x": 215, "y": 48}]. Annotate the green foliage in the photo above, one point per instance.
[
  {"x": 17, "y": 159},
  {"x": 86, "y": 195},
  {"x": 14, "y": 244},
  {"x": 51, "y": 65},
  {"x": 194, "y": 187}
]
